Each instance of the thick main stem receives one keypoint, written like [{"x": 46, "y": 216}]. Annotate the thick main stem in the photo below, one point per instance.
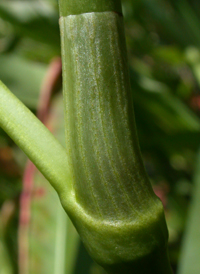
[
  {"x": 73, "y": 7},
  {"x": 109, "y": 177},
  {"x": 120, "y": 220}
]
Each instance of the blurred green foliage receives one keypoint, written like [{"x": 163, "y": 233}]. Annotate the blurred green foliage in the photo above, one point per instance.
[{"x": 163, "y": 40}]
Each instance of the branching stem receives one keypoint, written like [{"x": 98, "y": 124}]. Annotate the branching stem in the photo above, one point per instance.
[{"x": 35, "y": 140}]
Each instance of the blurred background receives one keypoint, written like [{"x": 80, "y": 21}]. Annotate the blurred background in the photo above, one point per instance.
[{"x": 163, "y": 39}]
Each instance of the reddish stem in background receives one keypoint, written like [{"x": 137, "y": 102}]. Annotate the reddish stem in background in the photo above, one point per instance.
[
  {"x": 50, "y": 85},
  {"x": 51, "y": 81},
  {"x": 195, "y": 103}
]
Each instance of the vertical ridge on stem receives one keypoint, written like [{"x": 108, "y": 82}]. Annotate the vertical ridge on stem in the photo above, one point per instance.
[{"x": 109, "y": 177}]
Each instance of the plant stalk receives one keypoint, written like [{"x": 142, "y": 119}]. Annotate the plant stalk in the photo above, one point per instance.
[
  {"x": 119, "y": 218},
  {"x": 35, "y": 140},
  {"x": 101, "y": 180}
]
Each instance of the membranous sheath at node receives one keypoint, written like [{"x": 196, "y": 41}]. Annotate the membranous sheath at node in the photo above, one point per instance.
[{"x": 118, "y": 216}]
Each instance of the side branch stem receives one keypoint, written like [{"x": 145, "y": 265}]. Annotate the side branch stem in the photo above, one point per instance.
[{"x": 35, "y": 140}]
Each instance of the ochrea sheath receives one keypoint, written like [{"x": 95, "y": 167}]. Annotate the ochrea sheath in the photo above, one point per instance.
[
  {"x": 120, "y": 219},
  {"x": 109, "y": 176}
]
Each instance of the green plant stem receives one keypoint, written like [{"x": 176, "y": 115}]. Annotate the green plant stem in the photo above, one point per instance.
[
  {"x": 35, "y": 140},
  {"x": 72, "y": 7},
  {"x": 119, "y": 218},
  {"x": 102, "y": 183}
]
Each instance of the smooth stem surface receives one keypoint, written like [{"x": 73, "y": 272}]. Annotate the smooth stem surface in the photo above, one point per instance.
[{"x": 35, "y": 140}]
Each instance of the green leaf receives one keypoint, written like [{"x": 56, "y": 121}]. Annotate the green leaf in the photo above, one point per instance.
[
  {"x": 166, "y": 110},
  {"x": 189, "y": 260},
  {"x": 51, "y": 238},
  {"x": 35, "y": 19},
  {"x": 23, "y": 77},
  {"x": 170, "y": 24},
  {"x": 6, "y": 267}
]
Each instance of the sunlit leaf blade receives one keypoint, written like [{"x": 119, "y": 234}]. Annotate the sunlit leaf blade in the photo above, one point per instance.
[
  {"x": 189, "y": 260},
  {"x": 5, "y": 264},
  {"x": 35, "y": 19},
  {"x": 193, "y": 58},
  {"x": 23, "y": 77},
  {"x": 53, "y": 240},
  {"x": 67, "y": 239}
]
